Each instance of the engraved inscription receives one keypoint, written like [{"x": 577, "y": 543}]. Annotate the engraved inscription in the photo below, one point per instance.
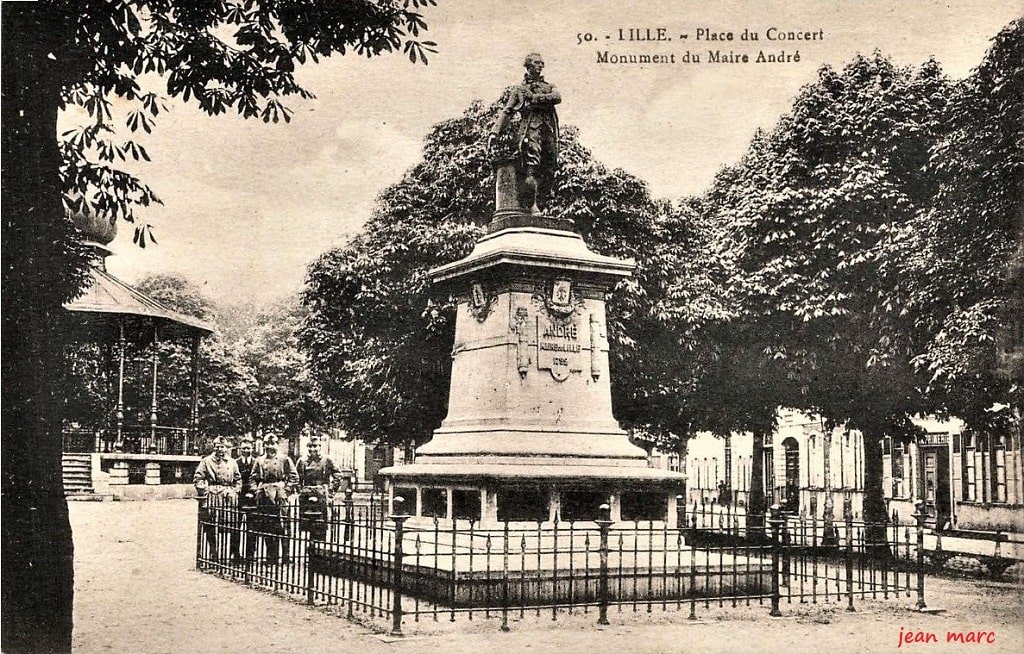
[{"x": 558, "y": 347}]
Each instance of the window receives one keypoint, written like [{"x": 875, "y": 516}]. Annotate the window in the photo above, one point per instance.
[
  {"x": 175, "y": 473},
  {"x": 984, "y": 469},
  {"x": 136, "y": 473},
  {"x": 643, "y": 506},
  {"x": 408, "y": 504},
  {"x": 581, "y": 505},
  {"x": 999, "y": 464},
  {"x": 525, "y": 504},
  {"x": 435, "y": 502},
  {"x": 674, "y": 463},
  {"x": 969, "y": 468},
  {"x": 466, "y": 504},
  {"x": 899, "y": 483}
]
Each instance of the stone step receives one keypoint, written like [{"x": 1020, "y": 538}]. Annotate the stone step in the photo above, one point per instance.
[
  {"x": 87, "y": 496},
  {"x": 77, "y": 482},
  {"x": 77, "y": 474}
]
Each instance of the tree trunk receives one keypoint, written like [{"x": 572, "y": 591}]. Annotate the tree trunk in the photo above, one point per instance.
[
  {"x": 728, "y": 471},
  {"x": 830, "y": 537},
  {"x": 874, "y": 500},
  {"x": 755, "y": 498},
  {"x": 40, "y": 272}
]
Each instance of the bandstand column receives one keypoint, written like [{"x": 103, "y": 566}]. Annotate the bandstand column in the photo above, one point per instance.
[
  {"x": 193, "y": 430},
  {"x": 153, "y": 405},
  {"x": 119, "y": 412}
]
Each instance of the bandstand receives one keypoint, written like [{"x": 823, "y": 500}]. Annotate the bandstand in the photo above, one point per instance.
[{"x": 135, "y": 449}]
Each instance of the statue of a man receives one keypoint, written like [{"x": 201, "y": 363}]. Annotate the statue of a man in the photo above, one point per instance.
[{"x": 529, "y": 109}]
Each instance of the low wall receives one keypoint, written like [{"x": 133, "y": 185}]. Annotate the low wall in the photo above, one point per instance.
[
  {"x": 529, "y": 586},
  {"x": 990, "y": 517},
  {"x": 134, "y": 492}
]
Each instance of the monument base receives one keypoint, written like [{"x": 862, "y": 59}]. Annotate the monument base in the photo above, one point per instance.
[
  {"x": 514, "y": 218},
  {"x": 493, "y": 493}
]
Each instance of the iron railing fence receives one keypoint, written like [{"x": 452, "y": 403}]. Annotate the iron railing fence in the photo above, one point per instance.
[
  {"x": 369, "y": 564},
  {"x": 135, "y": 439}
]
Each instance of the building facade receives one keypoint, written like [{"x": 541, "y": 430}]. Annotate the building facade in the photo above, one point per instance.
[{"x": 967, "y": 480}]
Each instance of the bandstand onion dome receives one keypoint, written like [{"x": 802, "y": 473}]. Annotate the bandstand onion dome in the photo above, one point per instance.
[{"x": 107, "y": 297}]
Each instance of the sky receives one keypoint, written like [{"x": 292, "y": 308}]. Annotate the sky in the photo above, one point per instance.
[{"x": 248, "y": 205}]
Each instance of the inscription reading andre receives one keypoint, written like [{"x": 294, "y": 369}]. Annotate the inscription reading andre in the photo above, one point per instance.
[{"x": 558, "y": 348}]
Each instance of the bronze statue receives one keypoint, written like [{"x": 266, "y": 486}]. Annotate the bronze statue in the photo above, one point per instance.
[{"x": 528, "y": 114}]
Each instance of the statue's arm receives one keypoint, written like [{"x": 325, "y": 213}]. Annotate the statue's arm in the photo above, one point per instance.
[
  {"x": 512, "y": 101},
  {"x": 552, "y": 97}
]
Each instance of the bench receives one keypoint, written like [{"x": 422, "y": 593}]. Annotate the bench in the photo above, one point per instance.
[{"x": 995, "y": 563}]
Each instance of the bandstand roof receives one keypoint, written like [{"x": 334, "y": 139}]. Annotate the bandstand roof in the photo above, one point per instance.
[{"x": 109, "y": 296}]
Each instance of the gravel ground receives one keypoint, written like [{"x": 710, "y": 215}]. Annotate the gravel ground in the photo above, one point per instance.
[{"x": 136, "y": 590}]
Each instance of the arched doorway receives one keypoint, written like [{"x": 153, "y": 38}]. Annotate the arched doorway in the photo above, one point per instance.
[{"x": 790, "y": 499}]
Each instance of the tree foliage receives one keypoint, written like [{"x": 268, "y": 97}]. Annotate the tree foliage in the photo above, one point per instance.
[
  {"x": 808, "y": 221},
  {"x": 870, "y": 241},
  {"x": 236, "y": 56},
  {"x": 807, "y": 216},
  {"x": 962, "y": 256},
  {"x": 221, "y": 55}
]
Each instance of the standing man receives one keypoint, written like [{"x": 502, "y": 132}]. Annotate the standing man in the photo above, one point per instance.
[
  {"x": 319, "y": 479},
  {"x": 274, "y": 476},
  {"x": 535, "y": 143},
  {"x": 247, "y": 498},
  {"x": 217, "y": 483}
]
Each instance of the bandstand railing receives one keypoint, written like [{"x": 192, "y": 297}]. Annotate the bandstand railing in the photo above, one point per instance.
[{"x": 135, "y": 439}]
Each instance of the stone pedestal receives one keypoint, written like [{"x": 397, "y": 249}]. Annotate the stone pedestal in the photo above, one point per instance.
[
  {"x": 119, "y": 473},
  {"x": 152, "y": 473},
  {"x": 530, "y": 434}
]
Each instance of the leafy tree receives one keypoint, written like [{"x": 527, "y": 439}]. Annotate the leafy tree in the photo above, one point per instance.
[
  {"x": 379, "y": 337},
  {"x": 807, "y": 222},
  {"x": 225, "y": 383},
  {"x": 282, "y": 398},
  {"x": 253, "y": 379},
  {"x": 176, "y": 292},
  {"x": 219, "y": 54},
  {"x": 963, "y": 256}
]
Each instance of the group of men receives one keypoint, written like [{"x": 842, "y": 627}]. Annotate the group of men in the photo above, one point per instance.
[{"x": 251, "y": 495}]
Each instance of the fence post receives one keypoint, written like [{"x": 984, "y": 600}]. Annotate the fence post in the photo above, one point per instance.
[
  {"x": 920, "y": 515},
  {"x": 200, "y": 512},
  {"x": 504, "y": 579},
  {"x": 775, "y": 521},
  {"x": 349, "y": 503},
  {"x": 848, "y": 517},
  {"x": 604, "y": 524},
  {"x": 310, "y": 576},
  {"x": 396, "y": 593}
]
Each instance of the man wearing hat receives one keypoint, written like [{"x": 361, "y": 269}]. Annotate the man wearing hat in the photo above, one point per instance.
[
  {"x": 319, "y": 478},
  {"x": 217, "y": 483},
  {"x": 273, "y": 475}
]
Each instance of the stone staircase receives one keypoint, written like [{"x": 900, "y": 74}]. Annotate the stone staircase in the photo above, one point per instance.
[{"x": 77, "y": 471}]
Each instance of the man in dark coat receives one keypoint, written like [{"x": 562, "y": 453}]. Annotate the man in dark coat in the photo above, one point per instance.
[{"x": 247, "y": 497}]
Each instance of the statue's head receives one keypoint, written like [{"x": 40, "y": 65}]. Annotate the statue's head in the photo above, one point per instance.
[{"x": 534, "y": 64}]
